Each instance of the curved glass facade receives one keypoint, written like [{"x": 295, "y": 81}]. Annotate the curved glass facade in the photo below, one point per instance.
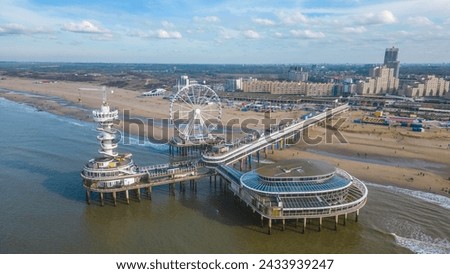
[{"x": 254, "y": 182}]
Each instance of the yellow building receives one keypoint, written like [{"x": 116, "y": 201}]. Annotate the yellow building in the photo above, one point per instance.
[{"x": 277, "y": 87}]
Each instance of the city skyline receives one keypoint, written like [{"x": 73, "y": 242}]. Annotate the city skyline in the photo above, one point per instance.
[{"x": 229, "y": 32}]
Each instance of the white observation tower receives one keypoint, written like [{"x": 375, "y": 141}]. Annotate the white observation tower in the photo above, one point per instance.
[
  {"x": 110, "y": 170},
  {"x": 105, "y": 118}
]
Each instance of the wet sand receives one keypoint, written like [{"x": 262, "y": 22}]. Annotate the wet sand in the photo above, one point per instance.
[{"x": 392, "y": 156}]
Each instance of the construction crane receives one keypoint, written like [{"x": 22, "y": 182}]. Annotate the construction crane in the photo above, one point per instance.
[{"x": 103, "y": 89}]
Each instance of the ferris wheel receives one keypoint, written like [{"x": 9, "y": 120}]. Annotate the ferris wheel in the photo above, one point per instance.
[{"x": 195, "y": 111}]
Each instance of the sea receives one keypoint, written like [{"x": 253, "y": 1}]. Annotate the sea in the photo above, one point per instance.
[{"x": 43, "y": 207}]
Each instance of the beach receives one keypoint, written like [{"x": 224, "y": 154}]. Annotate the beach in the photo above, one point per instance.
[{"x": 379, "y": 154}]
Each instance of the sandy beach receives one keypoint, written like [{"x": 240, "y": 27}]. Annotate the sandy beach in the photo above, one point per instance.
[
  {"x": 390, "y": 156},
  {"x": 155, "y": 108}
]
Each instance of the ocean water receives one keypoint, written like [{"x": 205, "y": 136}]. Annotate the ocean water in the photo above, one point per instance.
[{"x": 43, "y": 208}]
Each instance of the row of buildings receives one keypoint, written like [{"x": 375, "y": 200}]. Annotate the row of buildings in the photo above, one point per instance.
[
  {"x": 278, "y": 87},
  {"x": 381, "y": 82},
  {"x": 427, "y": 86},
  {"x": 383, "y": 79}
]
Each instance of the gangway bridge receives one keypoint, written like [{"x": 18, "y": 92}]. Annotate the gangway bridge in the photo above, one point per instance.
[{"x": 278, "y": 136}]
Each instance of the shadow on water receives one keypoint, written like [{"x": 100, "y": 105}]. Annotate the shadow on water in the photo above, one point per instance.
[{"x": 65, "y": 184}]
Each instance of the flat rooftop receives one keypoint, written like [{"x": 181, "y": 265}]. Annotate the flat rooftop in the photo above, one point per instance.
[{"x": 296, "y": 168}]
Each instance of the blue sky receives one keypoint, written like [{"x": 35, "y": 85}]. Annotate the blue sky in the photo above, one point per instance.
[{"x": 221, "y": 31}]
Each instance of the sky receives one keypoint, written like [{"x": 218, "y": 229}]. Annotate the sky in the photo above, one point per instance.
[{"x": 224, "y": 32}]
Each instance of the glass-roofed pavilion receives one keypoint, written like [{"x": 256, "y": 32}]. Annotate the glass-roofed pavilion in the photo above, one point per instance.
[{"x": 301, "y": 189}]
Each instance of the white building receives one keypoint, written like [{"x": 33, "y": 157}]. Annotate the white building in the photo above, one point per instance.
[
  {"x": 429, "y": 86},
  {"x": 232, "y": 85},
  {"x": 381, "y": 81}
]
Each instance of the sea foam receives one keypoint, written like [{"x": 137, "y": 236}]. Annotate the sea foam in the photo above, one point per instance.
[
  {"x": 425, "y": 196},
  {"x": 424, "y": 245}
]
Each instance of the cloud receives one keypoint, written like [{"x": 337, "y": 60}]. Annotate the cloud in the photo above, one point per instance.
[
  {"x": 263, "y": 21},
  {"x": 18, "y": 29},
  {"x": 382, "y": 18},
  {"x": 159, "y": 34},
  {"x": 227, "y": 34},
  {"x": 292, "y": 17},
  {"x": 167, "y": 24},
  {"x": 103, "y": 37},
  {"x": 360, "y": 29},
  {"x": 308, "y": 34},
  {"x": 279, "y": 35},
  {"x": 251, "y": 34},
  {"x": 83, "y": 27},
  {"x": 12, "y": 29},
  {"x": 206, "y": 19},
  {"x": 164, "y": 34},
  {"x": 419, "y": 21}
]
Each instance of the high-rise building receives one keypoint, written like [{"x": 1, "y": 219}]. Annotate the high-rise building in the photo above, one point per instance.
[
  {"x": 297, "y": 74},
  {"x": 427, "y": 86},
  {"x": 390, "y": 60},
  {"x": 183, "y": 81},
  {"x": 233, "y": 84}
]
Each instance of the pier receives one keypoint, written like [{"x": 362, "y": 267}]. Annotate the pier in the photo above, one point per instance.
[{"x": 303, "y": 191}]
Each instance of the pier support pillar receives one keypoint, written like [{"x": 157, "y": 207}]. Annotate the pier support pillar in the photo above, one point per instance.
[
  {"x": 249, "y": 161},
  {"x": 138, "y": 194},
  {"x": 149, "y": 192},
  {"x": 101, "y": 199},
  {"x": 240, "y": 164},
  {"x": 273, "y": 148},
  {"x": 345, "y": 218},
  {"x": 336, "y": 220},
  {"x": 258, "y": 156},
  {"x": 114, "y": 195},
  {"x": 283, "y": 224},
  {"x": 172, "y": 189},
  {"x": 357, "y": 214},
  {"x": 262, "y": 221},
  {"x": 270, "y": 227},
  {"x": 304, "y": 226},
  {"x": 320, "y": 224},
  {"x": 265, "y": 152},
  {"x": 88, "y": 197},
  {"x": 127, "y": 196}
]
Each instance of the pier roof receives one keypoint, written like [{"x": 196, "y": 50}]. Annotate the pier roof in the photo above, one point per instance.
[
  {"x": 296, "y": 168},
  {"x": 252, "y": 181}
]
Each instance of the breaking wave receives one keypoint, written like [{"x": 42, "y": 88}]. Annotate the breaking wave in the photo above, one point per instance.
[
  {"x": 424, "y": 245},
  {"x": 425, "y": 196}
]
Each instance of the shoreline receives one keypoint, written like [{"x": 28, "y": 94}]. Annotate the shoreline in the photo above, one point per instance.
[{"x": 373, "y": 153}]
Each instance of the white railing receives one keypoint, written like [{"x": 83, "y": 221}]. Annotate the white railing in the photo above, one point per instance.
[{"x": 264, "y": 140}]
